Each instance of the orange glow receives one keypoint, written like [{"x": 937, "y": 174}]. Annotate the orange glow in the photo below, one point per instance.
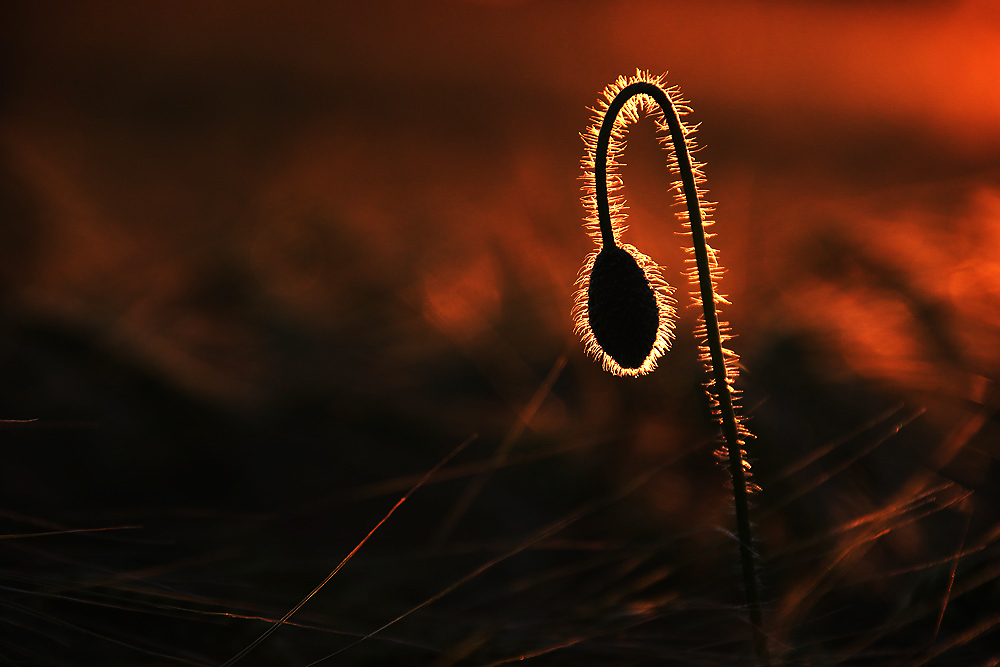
[{"x": 462, "y": 296}]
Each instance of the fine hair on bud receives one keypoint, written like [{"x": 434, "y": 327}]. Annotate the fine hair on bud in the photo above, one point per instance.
[
  {"x": 621, "y": 308},
  {"x": 624, "y": 310}
]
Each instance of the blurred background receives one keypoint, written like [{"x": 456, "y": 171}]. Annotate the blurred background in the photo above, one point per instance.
[{"x": 263, "y": 265}]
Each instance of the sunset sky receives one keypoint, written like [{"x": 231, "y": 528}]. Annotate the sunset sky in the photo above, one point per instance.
[
  {"x": 331, "y": 152},
  {"x": 364, "y": 203}
]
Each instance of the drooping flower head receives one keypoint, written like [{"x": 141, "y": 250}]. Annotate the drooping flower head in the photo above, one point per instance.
[{"x": 623, "y": 308}]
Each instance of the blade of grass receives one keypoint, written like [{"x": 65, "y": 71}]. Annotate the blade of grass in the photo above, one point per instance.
[{"x": 267, "y": 633}]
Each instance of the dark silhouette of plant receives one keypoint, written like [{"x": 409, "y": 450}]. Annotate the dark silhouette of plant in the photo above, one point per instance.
[{"x": 624, "y": 309}]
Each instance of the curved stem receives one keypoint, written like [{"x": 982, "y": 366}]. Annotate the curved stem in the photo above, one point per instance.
[
  {"x": 601, "y": 160},
  {"x": 722, "y": 392}
]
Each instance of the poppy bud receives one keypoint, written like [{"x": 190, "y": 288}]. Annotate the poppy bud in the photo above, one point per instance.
[
  {"x": 621, "y": 308},
  {"x": 624, "y": 310}
]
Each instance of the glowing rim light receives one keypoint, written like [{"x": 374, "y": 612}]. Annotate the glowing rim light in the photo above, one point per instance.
[
  {"x": 604, "y": 203},
  {"x": 667, "y": 314},
  {"x": 609, "y": 233},
  {"x": 622, "y": 103}
]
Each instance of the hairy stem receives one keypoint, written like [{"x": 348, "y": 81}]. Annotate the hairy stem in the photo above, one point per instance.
[{"x": 721, "y": 387}]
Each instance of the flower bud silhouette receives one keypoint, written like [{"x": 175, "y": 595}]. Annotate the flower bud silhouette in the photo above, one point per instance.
[{"x": 623, "y": 309}]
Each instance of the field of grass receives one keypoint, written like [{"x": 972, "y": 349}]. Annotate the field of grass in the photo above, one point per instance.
[{"x": 263, "y": 268}]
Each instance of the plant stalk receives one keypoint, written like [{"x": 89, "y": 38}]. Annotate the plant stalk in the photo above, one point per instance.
[{"x": 722, "y": 392}]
